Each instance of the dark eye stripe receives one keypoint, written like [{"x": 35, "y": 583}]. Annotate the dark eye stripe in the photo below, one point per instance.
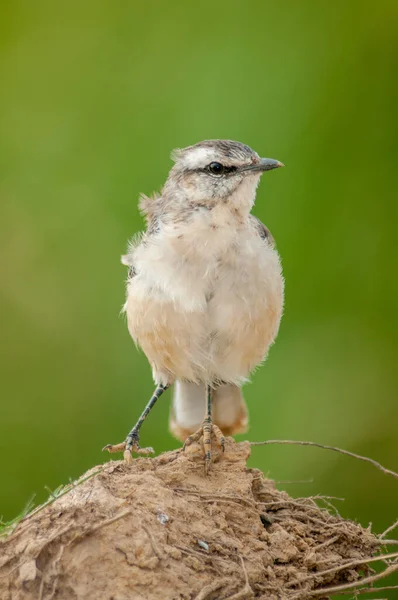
[{"x": 225, "y": 171}]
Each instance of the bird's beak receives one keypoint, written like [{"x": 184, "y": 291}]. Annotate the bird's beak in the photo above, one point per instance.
[{"x": 266, "y": 164}]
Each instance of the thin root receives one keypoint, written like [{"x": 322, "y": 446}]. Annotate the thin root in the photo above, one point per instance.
[
  {"x": 388, "y": 530},
  {"x": 212, "y": 587},
  {"x": 247, "y": 591},
  {"x": 333, "y": 448},
  {"x": 347, "y": 565},
  {"x": 354, "y": 584}
]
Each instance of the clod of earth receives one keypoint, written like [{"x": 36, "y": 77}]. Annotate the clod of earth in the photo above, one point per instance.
[{"x": 159, "y": 529}]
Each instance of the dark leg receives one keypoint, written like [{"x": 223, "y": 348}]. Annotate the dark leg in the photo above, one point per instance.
[
  {"x": 133, "y": 439},
  {"x": 208, "y": 427}
]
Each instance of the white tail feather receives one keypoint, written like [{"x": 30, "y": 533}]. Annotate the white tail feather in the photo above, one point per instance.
[{"x": 189, "y": 406}]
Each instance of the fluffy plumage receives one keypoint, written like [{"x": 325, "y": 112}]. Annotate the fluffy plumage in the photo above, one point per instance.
[{"x": 205, "y": 295}]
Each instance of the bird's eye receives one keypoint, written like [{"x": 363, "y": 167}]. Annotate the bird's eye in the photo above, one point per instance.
[{"x": 216, "y": 168}]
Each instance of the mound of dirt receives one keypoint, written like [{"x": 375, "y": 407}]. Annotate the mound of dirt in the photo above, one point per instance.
[{"x": 160, "y": 529}]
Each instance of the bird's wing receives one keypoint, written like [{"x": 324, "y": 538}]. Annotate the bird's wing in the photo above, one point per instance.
[
  {"x": 148, "y": 206},
  {"x": 262, "y": 230},
  {"x": 126, "y": 259}
]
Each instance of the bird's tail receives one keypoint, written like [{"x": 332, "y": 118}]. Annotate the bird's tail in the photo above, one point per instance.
[{"x": 189, "y": 405}]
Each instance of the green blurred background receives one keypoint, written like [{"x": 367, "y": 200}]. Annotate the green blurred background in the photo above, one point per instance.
[{"x": 94, "y": 95}]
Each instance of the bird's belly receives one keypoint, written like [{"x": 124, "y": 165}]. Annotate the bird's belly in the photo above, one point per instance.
[
  {"x": 244, "y": 323},
  {"x": 173, "y": 339},
  {"x": 214, "y": 329}
]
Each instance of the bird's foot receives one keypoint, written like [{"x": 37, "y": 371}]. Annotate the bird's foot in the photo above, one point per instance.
[
  {"x": 205, "y": 432},
  {"x": 132, "y": 444}
]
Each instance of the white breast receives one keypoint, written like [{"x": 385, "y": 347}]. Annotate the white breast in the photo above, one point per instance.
[{"x": 216, "y": 285}]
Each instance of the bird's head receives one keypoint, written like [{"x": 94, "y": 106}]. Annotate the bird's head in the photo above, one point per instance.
[{"x": 217, "y": 171}]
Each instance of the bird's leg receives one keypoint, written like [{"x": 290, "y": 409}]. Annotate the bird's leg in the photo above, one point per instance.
[
  {"x": 207, "y": 428},
  {"x": 133, "y": 439}
]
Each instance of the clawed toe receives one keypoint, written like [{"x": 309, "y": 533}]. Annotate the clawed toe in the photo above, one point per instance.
[
  {"x": 219, "y": 437},
  {"x": 205, "y": 432},
  {"x": 127, "y": 449},
  {"x": 111, "y": 448}
]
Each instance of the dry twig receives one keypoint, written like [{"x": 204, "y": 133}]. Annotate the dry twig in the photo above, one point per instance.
[
  {"x": 337, "y": 589},
  {"x": 347, "y": 565},
  {"x": 388, "y": 530},
  {"x": 372, "y": 590},
  {"x": 247, "y": 591},
  {"x": 333, "y": 448},
  {"x": 212, "y": 587}
]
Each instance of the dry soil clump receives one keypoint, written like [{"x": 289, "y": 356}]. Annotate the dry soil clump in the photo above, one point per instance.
[{"x": 160, "y": 529}]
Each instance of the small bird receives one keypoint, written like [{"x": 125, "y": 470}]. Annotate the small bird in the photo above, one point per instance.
[{"x": 204, "y": 291}]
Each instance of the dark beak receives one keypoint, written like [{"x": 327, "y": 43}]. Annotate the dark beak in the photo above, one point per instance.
[{"x": 265, "y": 164}]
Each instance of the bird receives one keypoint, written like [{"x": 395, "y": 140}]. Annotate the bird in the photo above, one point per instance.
[{"x": 205, "y": 291}]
